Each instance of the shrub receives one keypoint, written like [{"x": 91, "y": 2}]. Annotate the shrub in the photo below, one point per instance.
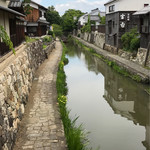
[
  {"x": 130, "y": 40},
  {"x": 47, "y": 39},
  {"x": 78, "y": 35},
  {"x": 50, "y": 32}
]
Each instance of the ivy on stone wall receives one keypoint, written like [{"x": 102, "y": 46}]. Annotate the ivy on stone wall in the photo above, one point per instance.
[{"x": 6, "y": 39}]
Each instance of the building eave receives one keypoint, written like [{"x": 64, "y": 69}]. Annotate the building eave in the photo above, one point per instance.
[
  {"x": 11, "y": 11},
  {"x": 109, "y": 2}
]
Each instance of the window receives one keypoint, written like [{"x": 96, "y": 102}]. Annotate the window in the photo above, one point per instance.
[
  {"x": 146, "y": 5},
  {"x": 40, "y": 13},
  {"x": 44, "y": 15},
  {"x": 110, "y": 26},
  {"x": 112, "y": 8},
  {"x": 113, "y": 24}
]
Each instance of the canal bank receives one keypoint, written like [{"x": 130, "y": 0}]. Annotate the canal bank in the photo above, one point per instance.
[
  {"x": 114, "y": 109},
  {"x": 132, "y": 68}
]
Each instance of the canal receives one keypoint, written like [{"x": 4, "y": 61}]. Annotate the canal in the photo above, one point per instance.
[{"x": 114, "y": 109}]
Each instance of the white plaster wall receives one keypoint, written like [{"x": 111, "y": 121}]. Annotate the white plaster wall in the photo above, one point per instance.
[
  {"x": 3, "y": 3},
  {"x": 43, "y": 11},
  {"x": 127, "y": 5},
  {"x": 82, "y": 20},
  {"x": 4, "y": 21},
  {"x": 34, "y": 5}
]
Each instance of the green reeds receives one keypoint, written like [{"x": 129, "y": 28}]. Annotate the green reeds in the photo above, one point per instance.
[{"x": 75, "y": 136}]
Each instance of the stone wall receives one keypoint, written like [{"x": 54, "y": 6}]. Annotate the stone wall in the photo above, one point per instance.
[
  {"x": 95, "y": 38},
  {"x": 15, "y": 84},
  {"x": 98, "y": 39},
  {"x": 137, "y": 57}
]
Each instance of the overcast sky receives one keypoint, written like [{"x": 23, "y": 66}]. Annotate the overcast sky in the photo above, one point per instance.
[{"x": 83, "y": 5}]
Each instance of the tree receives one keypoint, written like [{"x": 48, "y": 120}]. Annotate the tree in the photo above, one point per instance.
[
  {"x": 130, "y": 40},
  {"x": 26, "y": 6},
  {"x": 68, "y": 19},
  {"x": 57, "y": 30},
  {"x": 53, "y": 16},
  {"x": 102, "y": 19},
  {"x": 87, "y": 26}
]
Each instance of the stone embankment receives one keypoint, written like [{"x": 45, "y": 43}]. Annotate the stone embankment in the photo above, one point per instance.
[
  {"x": 16, "y": 75},
  {"x": 130, "y": 66},
  {"x": 142, "y": 57}
]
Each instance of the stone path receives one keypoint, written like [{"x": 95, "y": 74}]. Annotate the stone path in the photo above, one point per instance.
[{"x": 41, "y": 127}]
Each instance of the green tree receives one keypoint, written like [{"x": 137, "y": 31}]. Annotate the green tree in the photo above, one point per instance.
[
  {"x": 130, "y": 40},
  {"x": 102, "y": 19},
  {"x": 68, "y": 19},
  {"x": 26, "y": 6},
  {"x": 53, "y": 16},
  {"x": 57, "y": 30},
  {"x": 87, "y": 26}
]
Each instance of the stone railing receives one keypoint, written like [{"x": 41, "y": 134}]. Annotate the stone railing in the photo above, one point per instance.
[{"x": 16, "y": 76}]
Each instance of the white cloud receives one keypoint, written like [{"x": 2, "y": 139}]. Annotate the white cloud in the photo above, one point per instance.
[{"x": 83, "y": 5}]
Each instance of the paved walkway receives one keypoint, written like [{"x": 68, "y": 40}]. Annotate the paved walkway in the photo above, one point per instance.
[
  {"x": 41, "y": 127},
  {"x": 127, "y": 64}
]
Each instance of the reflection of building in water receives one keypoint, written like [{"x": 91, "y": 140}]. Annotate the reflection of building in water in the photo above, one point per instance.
[
  {"x": 125, "y": 97},
  {"x": 129, "y": 100}
]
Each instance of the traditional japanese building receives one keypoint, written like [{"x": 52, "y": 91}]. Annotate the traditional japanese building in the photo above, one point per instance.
[
  {"x": 36, "y": 21},
  {"x": 94, "y": 16},
  {"x": 119, "y": 18},
  {"x": 13, "y": 22},
  {"x": 144, "y": 28}
]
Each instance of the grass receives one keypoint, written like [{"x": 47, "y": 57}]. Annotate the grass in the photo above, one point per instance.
[
  {"x": 30, "y": 40},
  {"x": 148, "y": 90},
  {"x": 112, "y": 64},
  {"x": 44, "y": 46},
  {"x": 75, "y": 136}
]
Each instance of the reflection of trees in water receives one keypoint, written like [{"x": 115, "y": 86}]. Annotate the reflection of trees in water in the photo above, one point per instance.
[{"x": 125, "y": 96}]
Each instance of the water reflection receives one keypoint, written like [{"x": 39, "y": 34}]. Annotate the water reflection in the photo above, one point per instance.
[{"x": 126, "y": 97}]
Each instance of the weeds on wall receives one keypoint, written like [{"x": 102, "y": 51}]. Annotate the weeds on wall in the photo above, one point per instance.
[{"x": 112, "y": 64}]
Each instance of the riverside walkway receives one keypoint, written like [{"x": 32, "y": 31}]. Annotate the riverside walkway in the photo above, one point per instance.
[
  {"x": 127, "y": 64},
  {"x": 41, "y": 127}
]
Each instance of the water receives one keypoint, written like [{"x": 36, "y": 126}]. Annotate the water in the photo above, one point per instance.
[{"x": 114, "y": 109}]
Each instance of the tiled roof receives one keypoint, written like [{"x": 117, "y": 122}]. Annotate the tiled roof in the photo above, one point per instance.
[
  {"x": 43, "y": 21},
  {"x": 14, "y": 4},
  {"x": 11, "y": 11},
  {"x": 145, "y": 10}
]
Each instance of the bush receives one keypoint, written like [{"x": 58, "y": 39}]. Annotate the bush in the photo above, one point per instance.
[
  {"x": 78, "y": 35},
  {"x": 50, "y": 32},
  {"x": 47, "y": 39},
  {"x": 135, "y": 44},
  {"x": 130, "y": 40}
]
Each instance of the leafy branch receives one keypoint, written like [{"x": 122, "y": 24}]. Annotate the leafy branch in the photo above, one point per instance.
[
  {"x": 6, "y": 39},
  {"x": 26, "y": 6}
]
